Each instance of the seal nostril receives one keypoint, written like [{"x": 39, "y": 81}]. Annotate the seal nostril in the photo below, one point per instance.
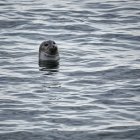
[{"x": 55, "y": 48}]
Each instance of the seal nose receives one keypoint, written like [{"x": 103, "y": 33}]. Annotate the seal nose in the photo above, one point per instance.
[
  {"x": 53, "y": 46},
  {"x": 53, "y": 50}
]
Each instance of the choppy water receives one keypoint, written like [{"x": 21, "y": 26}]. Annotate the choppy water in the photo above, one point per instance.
[{"x": 95, "y": 92}]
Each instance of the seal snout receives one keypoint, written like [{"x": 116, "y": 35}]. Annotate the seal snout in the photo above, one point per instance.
[{"x": 53, "y": 50}]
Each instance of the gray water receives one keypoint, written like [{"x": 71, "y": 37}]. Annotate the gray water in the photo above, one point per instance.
[{"x": 95, "y": 92}]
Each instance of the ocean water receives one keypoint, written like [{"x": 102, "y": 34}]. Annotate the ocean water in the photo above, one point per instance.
[{"x": 94, "y": 94}]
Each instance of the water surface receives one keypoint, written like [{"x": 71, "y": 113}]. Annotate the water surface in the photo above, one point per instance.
[{"x": 94, "y": 94}]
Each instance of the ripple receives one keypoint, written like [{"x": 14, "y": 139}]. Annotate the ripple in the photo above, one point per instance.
[{"x": 94, "y": 93}]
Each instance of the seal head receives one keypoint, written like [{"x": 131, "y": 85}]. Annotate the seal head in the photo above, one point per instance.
[{"x": 48, "y": 53}]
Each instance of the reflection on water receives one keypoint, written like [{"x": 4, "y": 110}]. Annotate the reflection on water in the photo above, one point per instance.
[
  {"x": 48, "y": 69},
  {"x": 50, "y": 66}
]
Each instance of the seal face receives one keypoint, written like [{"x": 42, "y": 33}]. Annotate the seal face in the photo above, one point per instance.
[{"x": 48, "y": 53}]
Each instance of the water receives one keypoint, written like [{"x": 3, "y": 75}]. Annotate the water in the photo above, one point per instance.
[{"x": 94, "y": 94}]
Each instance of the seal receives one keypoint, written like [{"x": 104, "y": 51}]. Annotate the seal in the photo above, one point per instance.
[{"x": 48, "y": 54}]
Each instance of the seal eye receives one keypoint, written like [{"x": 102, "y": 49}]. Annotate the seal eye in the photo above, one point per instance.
[
  {"x": 46, "y": 44},
  {"x": 54, "y": 42}
]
